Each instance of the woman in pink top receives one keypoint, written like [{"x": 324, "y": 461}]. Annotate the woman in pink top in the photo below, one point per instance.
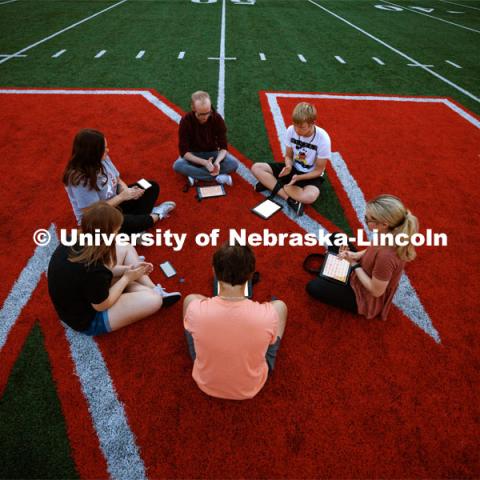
[{"x": 377, "y": 269}]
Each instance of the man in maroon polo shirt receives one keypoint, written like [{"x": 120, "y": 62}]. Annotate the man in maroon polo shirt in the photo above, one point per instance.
[{"x": 202, "y": 143}]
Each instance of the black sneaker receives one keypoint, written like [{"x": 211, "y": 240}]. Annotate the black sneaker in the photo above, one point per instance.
[
  {"x": 260, "y": 187},
  {"x": 297, "y": 207},
  {"x": 168, "y": 298}
]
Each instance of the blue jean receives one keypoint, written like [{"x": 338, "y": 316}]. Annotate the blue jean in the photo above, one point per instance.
[
  {"x": 189, "y": 169},
  {"x": 100, "y": 324}
]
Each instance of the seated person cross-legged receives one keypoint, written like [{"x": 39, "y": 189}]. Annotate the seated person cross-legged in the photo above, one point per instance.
[
  {"x": 90, "y": 176},
  {"x": 202, "y": 141},
  {"x": 232, "y": 340},
  {"x": 97, "y": 289},
  {"x": 377, "y": 269},
  {"x": 307, "y": 149}
]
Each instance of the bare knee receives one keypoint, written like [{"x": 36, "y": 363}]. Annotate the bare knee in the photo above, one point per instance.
[
  {"x": 153, "y": 301},
  {"x": 282, "y": 312},
  {"x": 259, "y": 168}
]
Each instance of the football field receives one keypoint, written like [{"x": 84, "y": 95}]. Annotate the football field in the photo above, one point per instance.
[{"x": 396, "y": 86}]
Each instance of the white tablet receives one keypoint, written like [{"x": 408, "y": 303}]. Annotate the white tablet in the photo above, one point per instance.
[
  {"x": 210, "y": 191},
  {"x": 266, "y": 209}
]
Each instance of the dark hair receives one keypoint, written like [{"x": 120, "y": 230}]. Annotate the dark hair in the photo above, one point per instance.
[
  {"x": 234, "y": 264},
  {"x": 86, "y": 161}
]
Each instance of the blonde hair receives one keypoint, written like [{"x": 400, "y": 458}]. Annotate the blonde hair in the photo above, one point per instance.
[
  {"x": 200, "y": 96},
  {"x": 304, "y": 112},
  {"x": 98, "y": 217},
  {"x": 390, "y": 210}
]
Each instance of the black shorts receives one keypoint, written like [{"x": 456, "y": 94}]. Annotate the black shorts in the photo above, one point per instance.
[{"x": 278, "y": 167}]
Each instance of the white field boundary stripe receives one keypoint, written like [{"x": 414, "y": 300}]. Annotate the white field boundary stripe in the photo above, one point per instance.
[
  {"x": 221, "y": 64},
  {"x": 406, "y": 298},
  {"x": 170, "y": 112},
  {"x": 117, "y": 441},
  {"x": 33, "y": 45},
  {"x": 24, "y": 287},
  {"x": 8, "y": 1},
  {"x": 431, "y": 16},
  {"x": 460, "y": 5},
  {"x": 383, "y": 98},
  {"x": 404, "y": 55}
]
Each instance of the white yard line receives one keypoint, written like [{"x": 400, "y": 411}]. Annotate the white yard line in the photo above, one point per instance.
[
  {"x": 140, "y": 54},
  {"x": 43, "y": 40},
  {"x": 181, "y": 55},
  {"x": 398, "y": 52},
  {"x": 431, "y": 16},
  {"x": 100, "y": 54},
  {"x": 340, "y": 59},
  {"x": 60, "y": 52},
  {"x": 453, "y": 64},
  {"x": 8, "y": 1},
  {"x": 301, "y": 58},
  {"x": 378, "y": 61},
  {"x": 460, "y": 5},
  {"x": 221, "y": 65},
  {"x": 262, "y": 56}
]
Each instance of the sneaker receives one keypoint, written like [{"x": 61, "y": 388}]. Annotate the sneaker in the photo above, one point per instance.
[
  {"x": 260, "y": 187},
  {"x": 224, "y": 179},
  {"x": 191, "y": 181},
  {"x": 297, "y": 207},
  {"x": 168, "y": 298},
  {"x": 164, "y": 209}
]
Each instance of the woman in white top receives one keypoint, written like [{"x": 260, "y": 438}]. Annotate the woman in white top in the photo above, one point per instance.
[{"x": 91, "y": 176}]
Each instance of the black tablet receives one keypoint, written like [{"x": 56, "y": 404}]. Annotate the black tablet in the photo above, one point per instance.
[
  {"x": 335, "y": 269},
  {"x": 248, "y": 292},
  {"x": 211, "y": 191},
  {"x": 266, "y": 209}
]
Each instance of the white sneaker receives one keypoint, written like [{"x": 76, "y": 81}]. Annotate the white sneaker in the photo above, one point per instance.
[
  {"x": 191, "y": 181},
  {"x": 224, "y": 179},
  {"x": 164, "y": 209},
  {"x": 168, "y": 298}
]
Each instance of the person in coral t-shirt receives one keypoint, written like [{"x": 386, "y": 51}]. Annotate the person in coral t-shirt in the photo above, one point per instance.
[
  {"x": 377, "y": 269},
  {"x": 232, "y": 340}
]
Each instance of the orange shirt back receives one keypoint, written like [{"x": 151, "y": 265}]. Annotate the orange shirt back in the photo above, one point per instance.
[{"x": 231, "y": 339}]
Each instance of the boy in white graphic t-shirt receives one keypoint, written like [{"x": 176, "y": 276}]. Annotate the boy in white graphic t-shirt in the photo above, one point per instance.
[{"x": 307, "y": 149}]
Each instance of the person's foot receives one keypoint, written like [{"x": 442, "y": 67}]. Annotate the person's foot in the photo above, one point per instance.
[
  {"x": 260, "y": 187},
  {"x": 164, "y": 209},
  {"x": 224, "y": 179},
  {"x": 297, "y": 207},
  {"x": 169, "y": 298},
  {"x": 191, "y": 181}
]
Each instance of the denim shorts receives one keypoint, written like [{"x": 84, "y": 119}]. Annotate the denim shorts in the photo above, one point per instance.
[{"x": 99, "y": 325}]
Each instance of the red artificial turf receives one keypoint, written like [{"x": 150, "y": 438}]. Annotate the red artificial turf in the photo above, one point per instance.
[{"x": 350, "y": 397}]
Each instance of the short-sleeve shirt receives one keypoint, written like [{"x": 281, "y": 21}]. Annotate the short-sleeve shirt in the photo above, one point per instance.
[
  {"x": 383, "y": 264},
  {"x": 306, "y": 150},
  {"x": 231, "y": 339},
  {"x": 73, "y": 287},
  {"x": 83, "y": 196}
]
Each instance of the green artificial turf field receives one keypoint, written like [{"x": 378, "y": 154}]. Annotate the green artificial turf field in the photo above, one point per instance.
[{"x": 414, "y": 48}]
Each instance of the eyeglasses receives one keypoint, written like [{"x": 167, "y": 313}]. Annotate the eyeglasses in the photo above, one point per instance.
[
  {"x": 205, "y": 114},
  {"x": 370, "y": 220}
]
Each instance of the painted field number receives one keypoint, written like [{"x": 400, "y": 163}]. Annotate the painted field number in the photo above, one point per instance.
[
  {"x": 394, "y": 8},
  {"x": 236, "y": 2}
]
